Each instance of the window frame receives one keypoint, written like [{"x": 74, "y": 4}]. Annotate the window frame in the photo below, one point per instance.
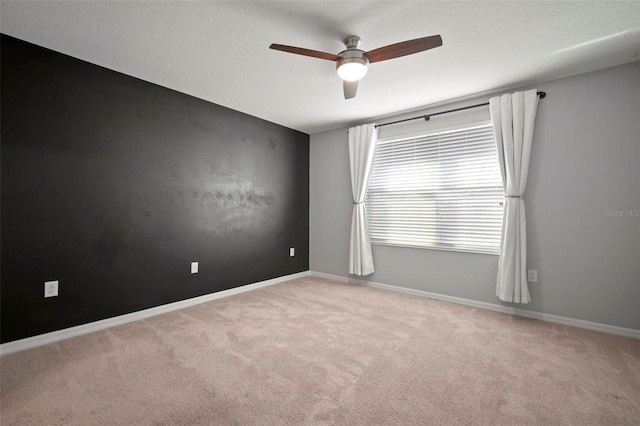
[{"x": 442, "y": 246}]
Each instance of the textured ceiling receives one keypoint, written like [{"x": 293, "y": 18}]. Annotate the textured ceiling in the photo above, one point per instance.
[{"x": 218, "y": 51}]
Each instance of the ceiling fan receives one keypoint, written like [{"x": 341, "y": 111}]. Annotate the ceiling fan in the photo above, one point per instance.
[{"x": 352, "y": 63}]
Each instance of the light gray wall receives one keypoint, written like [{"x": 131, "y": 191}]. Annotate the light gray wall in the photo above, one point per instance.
[{"x": 585, "y": 160}]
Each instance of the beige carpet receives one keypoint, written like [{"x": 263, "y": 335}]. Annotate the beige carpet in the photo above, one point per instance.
[{"x": 316, "y": 352}]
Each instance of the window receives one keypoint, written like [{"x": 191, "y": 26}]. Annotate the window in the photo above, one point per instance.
[{"x": 440, "y": 190}]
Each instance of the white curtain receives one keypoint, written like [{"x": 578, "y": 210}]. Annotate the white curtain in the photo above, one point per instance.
[
  {"x": 362, "y": 147},
  {"x": 513, "y": 117}
]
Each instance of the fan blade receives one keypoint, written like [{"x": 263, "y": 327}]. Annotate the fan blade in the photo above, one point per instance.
[
  {"x": 350, "y": 89},
  {"x": 305, "y": 52},
  {"x": 404, "y": 48}
]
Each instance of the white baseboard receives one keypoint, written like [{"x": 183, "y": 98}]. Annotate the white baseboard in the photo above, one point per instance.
[
  {"x": 55, "y": 336},
  {"x": 605, "y": 328}
]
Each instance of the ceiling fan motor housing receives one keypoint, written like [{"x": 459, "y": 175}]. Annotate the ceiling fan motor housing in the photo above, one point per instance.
[{"x": 356, "y": 60}]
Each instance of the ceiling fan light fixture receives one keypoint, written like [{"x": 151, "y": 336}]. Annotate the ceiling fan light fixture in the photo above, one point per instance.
[
  {"x": 352, "y": 65},
  {"x": 352, "y": 71}
]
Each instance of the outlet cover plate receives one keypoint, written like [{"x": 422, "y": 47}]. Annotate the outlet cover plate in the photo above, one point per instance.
[
  {"x": 292, "y": 251},
  {"x": 532, "y": 276},
  {"x": 50, "y": 288},
  {"x": 194, "y": 267}
]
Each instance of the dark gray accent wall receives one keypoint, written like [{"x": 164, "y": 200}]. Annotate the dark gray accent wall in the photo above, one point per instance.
[{"x": 113, "y": 185}]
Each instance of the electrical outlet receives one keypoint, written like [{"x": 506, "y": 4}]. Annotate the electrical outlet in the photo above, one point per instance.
[
  {"x": 532, "y": 276},
  {"x": 292, "y": 251},
  {"x": 50, "y": 288},
  {"x": 194, "y": 267}
]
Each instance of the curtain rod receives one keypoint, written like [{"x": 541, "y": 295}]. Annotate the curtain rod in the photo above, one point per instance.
[{"x": 428, "y": 116}]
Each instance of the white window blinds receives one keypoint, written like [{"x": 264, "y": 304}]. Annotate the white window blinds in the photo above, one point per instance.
[{"x": 441, "y": 190}]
